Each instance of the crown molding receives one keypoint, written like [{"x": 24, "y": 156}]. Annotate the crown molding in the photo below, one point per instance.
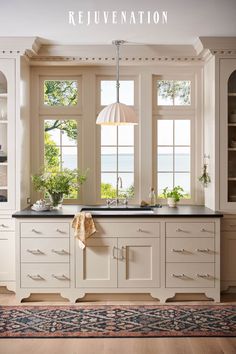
[
  {"x": 20, "y": 45},
  {"x": 216, "y": 45}
]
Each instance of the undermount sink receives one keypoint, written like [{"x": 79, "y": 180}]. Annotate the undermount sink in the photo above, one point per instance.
[{"x": 118, "y": 211}]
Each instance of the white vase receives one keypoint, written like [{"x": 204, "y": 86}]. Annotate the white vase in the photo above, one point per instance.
[{"x": 171, "y": 202}]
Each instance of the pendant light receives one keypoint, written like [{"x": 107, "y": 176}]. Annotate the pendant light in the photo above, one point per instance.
[{"x": 117, "y": 113}]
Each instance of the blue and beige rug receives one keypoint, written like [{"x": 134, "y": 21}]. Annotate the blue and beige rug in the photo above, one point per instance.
[{"x": 89, "y": 321}]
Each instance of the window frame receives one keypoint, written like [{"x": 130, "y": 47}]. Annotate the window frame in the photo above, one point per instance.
[
  {"x": 61, "y": 113},
  {"x": 43, "y": 118},
  {"x": 99, "y": 107},
  {"x": 182, "y": 112}
]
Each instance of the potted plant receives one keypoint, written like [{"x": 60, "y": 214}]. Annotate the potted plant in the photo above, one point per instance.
[
  {"x": 173, "y": 195},
  {"x": 58, "y": 184}
]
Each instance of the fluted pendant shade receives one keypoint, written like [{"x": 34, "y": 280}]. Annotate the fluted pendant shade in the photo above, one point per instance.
[{"x": 117, "y": 114}]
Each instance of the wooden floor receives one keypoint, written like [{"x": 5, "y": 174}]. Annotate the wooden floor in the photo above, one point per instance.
[{"x": 119, "y": 345}]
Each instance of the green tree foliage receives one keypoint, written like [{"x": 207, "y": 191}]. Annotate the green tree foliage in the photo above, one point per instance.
[
  {"x": 173, "y": 89},
  {"x": 60, "y": 92}
]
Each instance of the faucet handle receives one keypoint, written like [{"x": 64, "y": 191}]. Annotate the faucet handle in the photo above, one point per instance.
[
  {"x": 126, "y": 200},
  {"x": 108, "y": 202}
]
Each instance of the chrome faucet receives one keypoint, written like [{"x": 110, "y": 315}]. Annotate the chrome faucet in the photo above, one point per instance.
[{"x": 116, "y": 201}]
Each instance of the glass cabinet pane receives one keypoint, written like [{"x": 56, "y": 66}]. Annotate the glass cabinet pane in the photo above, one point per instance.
[{"x": 3, "y": 140}]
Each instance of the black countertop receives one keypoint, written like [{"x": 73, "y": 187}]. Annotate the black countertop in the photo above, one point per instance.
[{"x": 68, "y": 211}]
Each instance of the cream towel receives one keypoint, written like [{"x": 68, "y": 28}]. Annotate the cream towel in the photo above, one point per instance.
[{"x": 84, "y": 227}]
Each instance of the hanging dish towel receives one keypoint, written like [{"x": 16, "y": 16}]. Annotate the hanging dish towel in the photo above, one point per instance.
[{"x": 84, "y": 227}]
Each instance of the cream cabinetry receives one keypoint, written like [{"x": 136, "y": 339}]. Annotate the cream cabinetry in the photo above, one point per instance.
[
  {"x": 228, "y": 252},
  {"x": 160, "y": 256},
  {"x": 227, "y": 94},
  {"x": 7, "y": 172},
  {"x": 44, "y": 254}
]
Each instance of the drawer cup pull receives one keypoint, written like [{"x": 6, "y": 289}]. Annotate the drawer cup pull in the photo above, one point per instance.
[
  {"x": 203, "y": 276},
  {"x": 203, "y": 250},
  {"x": 178, "y": 275},
  {"x": 35, "y": 277},
  {"x": 35, "y": 252},
  {"x": 177, "y": 250},
  {"x": 60, "y": 277},
  {"x": 35, "y": 231},
  {"x": 60, "y": 252},
  {"x": 60, "y": 231}
]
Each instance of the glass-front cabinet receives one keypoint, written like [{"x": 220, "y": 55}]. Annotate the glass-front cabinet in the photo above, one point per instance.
[
  {"x": 7, "y": 134},
  {"x": 228, "y": 134}
]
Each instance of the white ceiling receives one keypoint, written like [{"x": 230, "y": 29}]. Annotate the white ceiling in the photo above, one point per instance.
[{"x": 187, "y": 20}]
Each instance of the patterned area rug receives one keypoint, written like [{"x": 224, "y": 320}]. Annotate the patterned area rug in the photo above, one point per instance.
[{"x": 91, "y": 321}]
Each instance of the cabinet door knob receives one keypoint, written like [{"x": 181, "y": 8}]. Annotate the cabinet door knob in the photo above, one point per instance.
[
  {"x": 177, "y": 250},
  {"x": 60, "y": 277},
  {"x": 35, "y": 277}
]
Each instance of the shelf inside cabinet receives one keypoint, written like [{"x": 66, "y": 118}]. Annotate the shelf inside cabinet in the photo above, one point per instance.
[
  {"x": 3, "y": 95},
  {"x": 3, "y": 121},
  {"x": 232, "y": 94}
]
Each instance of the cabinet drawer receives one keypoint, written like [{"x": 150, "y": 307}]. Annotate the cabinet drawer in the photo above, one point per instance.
[
  {"x": 44, "y": 250},
  {"x": 190, "y": 229},
  {"x": 228, "y": 225},
  {"x": 190, "y": 250},
  {"x": 7, "y": 225},
  {"x": 49, "y": 229},
  {"x": 128, "y": 229},
  {"x": 45, "y": 275},
  {"x": 191, "y": 275}
]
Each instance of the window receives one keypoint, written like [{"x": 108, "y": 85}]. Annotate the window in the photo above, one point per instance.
[
  {"x": 117, "y": 145},
  {"x": 173, "y": 92},
  {"x": 59, "y": 112},
  {"x": 117, "y": 160},
  {"x": 60, "y": 146},
  {"x": 174, "y": 155},
  {"x": 60, "y": 92}
]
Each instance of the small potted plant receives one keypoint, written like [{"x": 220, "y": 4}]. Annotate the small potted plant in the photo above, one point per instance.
[
  {"x": 173, "y": 195},
  {"x": 57, "y": 184}
]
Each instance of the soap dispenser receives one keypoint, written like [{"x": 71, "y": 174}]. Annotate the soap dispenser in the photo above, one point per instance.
[{"x": 152, "y": 197}]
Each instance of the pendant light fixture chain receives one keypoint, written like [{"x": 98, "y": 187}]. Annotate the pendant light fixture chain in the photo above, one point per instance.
[{"x": 117, "y": 43}]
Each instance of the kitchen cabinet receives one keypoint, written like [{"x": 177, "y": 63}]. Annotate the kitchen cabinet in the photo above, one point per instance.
[
  {"x": 118, "y": 263},
  {"x": 227, "y": 98},
  {"x": 160, "y": 256},
  {"x": 228, "y": 252}
]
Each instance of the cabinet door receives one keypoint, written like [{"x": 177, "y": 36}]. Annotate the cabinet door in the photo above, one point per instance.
[
  {"x": 228, "y": 259},
  {"x": 96, "y": 264},
  {"x": 138, "y": 264},
  {"x": 7, "y": 256},
  {"x": 7, "y": 133}
]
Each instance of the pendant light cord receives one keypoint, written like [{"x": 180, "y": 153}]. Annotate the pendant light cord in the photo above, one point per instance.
[
  {"x": 117, "y": 72},
  {"x": 117, "y": 43}
]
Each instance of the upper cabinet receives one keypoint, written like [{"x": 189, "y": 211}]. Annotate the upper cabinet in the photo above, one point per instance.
[
  {"x": 7, "y": 134},
  {"x": 227, "y": 110}
]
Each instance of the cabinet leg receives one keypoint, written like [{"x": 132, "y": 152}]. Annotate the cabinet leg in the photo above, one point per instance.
[
  {"x": 213, "y": 295},
  {"x": 157, "y": 295}
]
